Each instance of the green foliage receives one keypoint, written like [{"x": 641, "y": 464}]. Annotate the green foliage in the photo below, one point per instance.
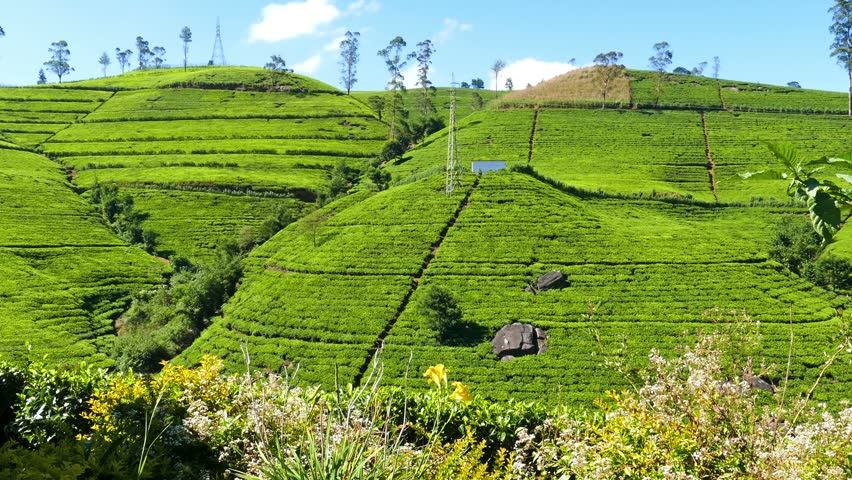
[
  {"x": 831, "y": 272},
  {"x": 393, "y": 149},
  {"x": 42, "y": 405},
  {"x": 442, "y": 311},
  {"x": 161, "y": 323},
  {"x": 823, "y": 198},
  {"x": 795, "y": 245},
  {"x": 343, "y": 177},
  {"x": 378, "y": 176},
  {"x": 117, "y": 210},
  {"x": 58, "y": 63}
]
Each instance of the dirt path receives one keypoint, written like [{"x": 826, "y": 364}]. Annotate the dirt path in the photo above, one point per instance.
[
  {"x": 532, "y": 134},
  {"x": 415, "y": 284},
  {"x": 711, "y": 165}
]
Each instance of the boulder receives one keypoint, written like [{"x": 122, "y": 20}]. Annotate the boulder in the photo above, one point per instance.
[
  {"x": 758, "y": 383},
  {"x": 517, "y": 340},
  {"x": 550, "y": 280}
]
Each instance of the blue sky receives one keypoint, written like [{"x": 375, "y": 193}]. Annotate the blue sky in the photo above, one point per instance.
[{"x": 771, "y": 41}]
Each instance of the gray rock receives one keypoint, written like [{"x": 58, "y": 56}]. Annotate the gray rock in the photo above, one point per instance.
[
  {"x": 756, "y": 382},
  {"x": 517, "y": 340},
  {"x": 550, "y": 280}
]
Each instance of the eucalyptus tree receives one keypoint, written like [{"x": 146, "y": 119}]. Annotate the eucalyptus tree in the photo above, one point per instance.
[
  {"x": 159, "y": 54},
  {"x": 186, "y": 38},
  {"x": 660, "y": 61},
  {"x": 123, "y": 57},
  {"x": 143, "y": 52},
  {"x": 608, "y": 69},
  {"x": 349, "y": 58},
  {"x": 104, "y": 61},
  {"x": 423, "y": 56},
  {"x": 278, "y": 66},
  {"x": 395, "y": 61},
  {"x": 497, "y": 67},
  {"x": 59, "y": 56},
  {"x": 841, "y": 47}
]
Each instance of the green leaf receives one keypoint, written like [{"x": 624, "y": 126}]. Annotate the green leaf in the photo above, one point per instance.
[
  {"x": 786, "y": 154},
  {"x": 825, "y": 216},
  {"x": 844, "y": 176},
  {"x": 763, "y": 175},
  {"x": 812, "y": 186}
]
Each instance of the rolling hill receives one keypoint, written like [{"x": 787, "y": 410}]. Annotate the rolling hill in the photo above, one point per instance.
[{"x": 640, "y": 206}]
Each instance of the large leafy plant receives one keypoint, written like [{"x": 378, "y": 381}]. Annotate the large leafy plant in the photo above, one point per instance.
[{"x": 826, "y": 201}]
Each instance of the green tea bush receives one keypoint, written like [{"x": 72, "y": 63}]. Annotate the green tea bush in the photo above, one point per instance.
[{"x": 442, "y": 311}]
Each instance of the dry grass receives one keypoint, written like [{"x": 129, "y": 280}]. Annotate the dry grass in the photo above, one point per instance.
[{"x": 578, "y": 86}]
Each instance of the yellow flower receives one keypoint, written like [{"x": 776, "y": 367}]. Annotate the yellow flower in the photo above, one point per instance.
[
  {"x": 461, "y": 394},
  {"x": 437, "y": 374}
]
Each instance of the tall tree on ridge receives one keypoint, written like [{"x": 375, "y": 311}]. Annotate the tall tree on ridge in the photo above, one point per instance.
[
  {"x": 498, "y": 67},
  {"x": 59, "y": 55},
  {"x": 660, "y": 62},
  {"x": 42, "y": 78},
  {"x": 395, "y": 62},
  {"x": 186, "y": 37},
  {"x": 2, "y": 33},
  {"x": 104, "y": 61},
  {"x": 608, "y": 69},
  {"x": 424, "y": 63},
  {"x": 717, "y": 64},
  {"x": 123, "y": 57},
  {"x": 144, "y": 53},
  {"x": 159, "y": 54},
  {"x": 349, "y": 57},
  {"x": 841, "y": 48}
]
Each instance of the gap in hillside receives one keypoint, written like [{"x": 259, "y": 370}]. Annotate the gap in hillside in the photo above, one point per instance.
[
  {"x": 711, "y": 165},
  {"x": 532, "y": 134},
  {"x": 415, "y": 284}
]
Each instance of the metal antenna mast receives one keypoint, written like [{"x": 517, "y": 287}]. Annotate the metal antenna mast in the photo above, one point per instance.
[
  {"x": 452, "y": 150},
  {"x": 218, "y": 57}
]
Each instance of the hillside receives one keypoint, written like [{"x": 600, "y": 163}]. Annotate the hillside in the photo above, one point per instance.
[
  {"x": 203, "y": 155},
  {"x": 642, "y": 208},
  {"x": 65, "y": 276}
]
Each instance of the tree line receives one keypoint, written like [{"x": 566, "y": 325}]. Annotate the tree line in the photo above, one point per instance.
[
  {"x": 146, "y": 57},
  {"x": 608, "y": 63}
]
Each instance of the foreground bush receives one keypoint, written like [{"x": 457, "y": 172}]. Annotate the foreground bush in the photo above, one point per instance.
[{"x": 696, "y": 416}]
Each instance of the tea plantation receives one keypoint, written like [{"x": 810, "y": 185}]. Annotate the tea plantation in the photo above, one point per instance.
[{"x": 640, "y": 206}]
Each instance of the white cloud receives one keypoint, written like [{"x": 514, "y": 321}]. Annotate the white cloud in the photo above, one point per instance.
[
  {"x": 334, "y": 45},
  {"x": 291, "y": 20},
  {"x": 359, "y": 7},
  {"x": 309, "y": 66},
  {"x": 410, "y": 74},
  {"x": 530, "y": 71},
  {"x": 451, "y": 26}
]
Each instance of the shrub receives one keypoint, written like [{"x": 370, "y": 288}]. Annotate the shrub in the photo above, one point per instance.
[
  {"x": 391, "y": 150},
  {"x": 795, "y": 244},
  {"x": 831, "y": 272},
  {"x": 441, "y": 310}
]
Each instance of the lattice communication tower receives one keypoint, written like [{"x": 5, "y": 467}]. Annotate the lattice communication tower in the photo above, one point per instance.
[
  {"x": 452, "y": 148},
  {"x": 218, "y": 57}
]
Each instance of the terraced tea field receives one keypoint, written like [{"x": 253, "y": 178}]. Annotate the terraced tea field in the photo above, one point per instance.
[
  {"x": 641, "y": 207},
  {"x": 649, "y": 266},
  {"x": 200, "y": 131},
  {"x": 65, "y": 276}
]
